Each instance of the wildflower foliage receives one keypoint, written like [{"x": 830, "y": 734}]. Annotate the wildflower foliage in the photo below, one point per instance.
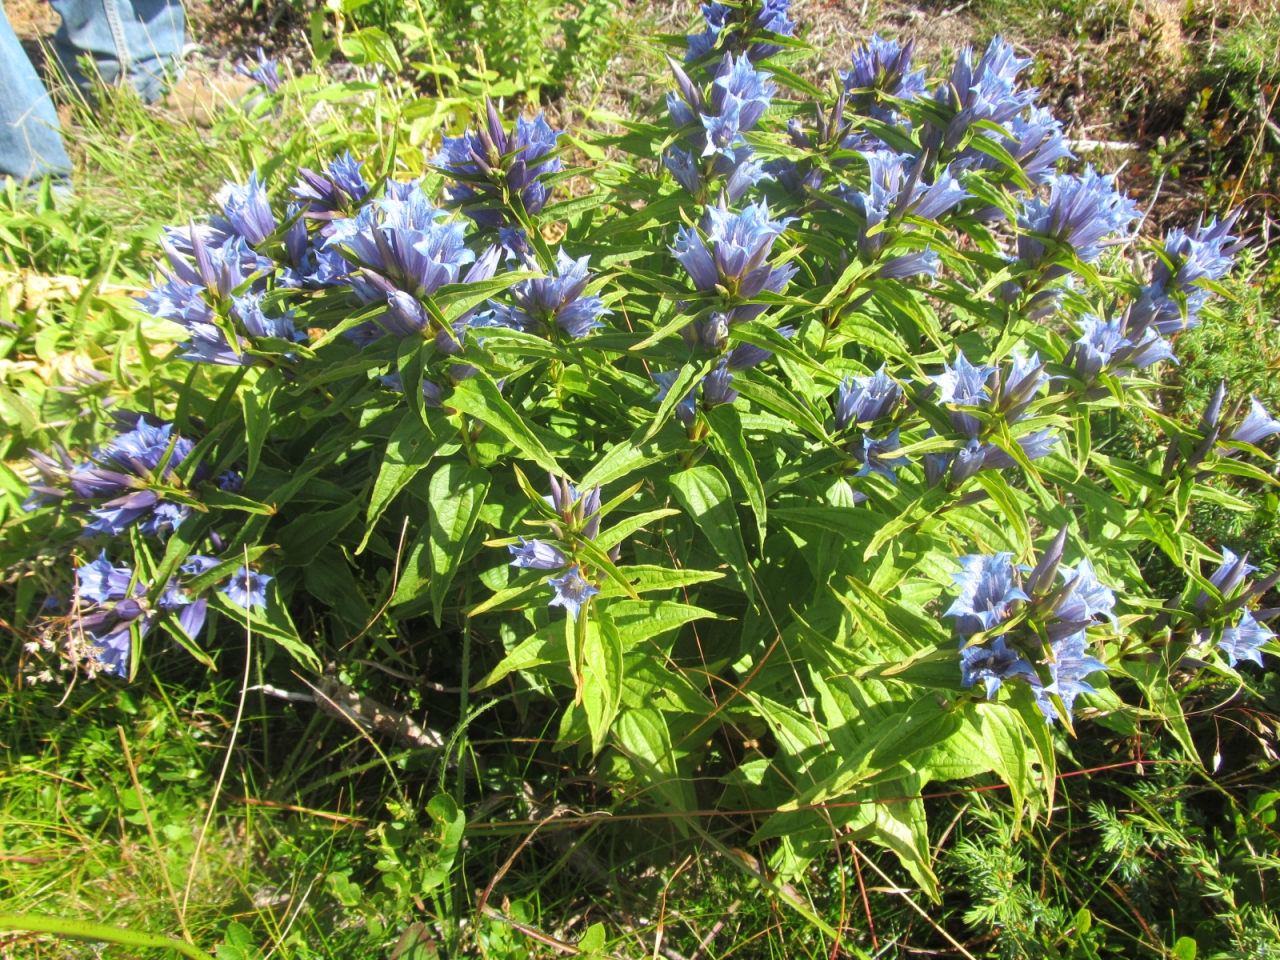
[{"x": 775, "y": 473}]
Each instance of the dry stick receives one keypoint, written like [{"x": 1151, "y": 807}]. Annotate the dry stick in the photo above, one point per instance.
[
  {"x": 151, "y": 829},
  {"x": 893, "y": 888},
  {"x": 706, "y": 941},
  {"x": 662, "y": 910},
  {"x": 502, "y": 871},
  {"x": 226, "y": 760}
]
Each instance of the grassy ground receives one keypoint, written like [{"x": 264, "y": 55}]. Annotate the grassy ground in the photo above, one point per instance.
[{"x": 189, "y": 804}]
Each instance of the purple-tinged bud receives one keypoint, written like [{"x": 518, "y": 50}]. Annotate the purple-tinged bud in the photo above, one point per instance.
[
  {"x": 1213, "y": 412},
  {"x": 1046, "y": 571}
]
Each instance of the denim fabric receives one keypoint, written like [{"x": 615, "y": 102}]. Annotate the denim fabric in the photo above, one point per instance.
[
  {"x": 141, "y": 39},
  {"x": 30, "y": 144}
]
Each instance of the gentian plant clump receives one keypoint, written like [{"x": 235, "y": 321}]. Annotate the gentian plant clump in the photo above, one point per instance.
[{"x": 791, "y": 419}]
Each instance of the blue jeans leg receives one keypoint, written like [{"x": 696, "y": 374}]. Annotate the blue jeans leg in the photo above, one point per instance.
[
  {"x": 30, "y": 141},
  {"x": 138, "y": 39}
]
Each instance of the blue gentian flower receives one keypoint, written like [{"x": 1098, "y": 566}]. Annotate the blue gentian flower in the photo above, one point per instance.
[
  {"x": 1021, "y": 383},
  {"x": 410, "y": 243},
  {"x": 866, "y": 399},
  {"x": 1257, "y": 426},
  {"x": 490, "y": 157},
  {"x": 556, "y": 301},
  {"x": 1205, "y": 254},
  {"x": 1088, "y": 597},
  {"x": 248, "y": 210},
  {"x": 684, "y": 168},
  {"x": 100, "y": 582},
  {"x": 876, "y": 456},
  {"x": 197, "y": 564},
  {"x": 120, "y": 474},
  {"x": 572, "y": 591},
  {"x": 964, "y": 385},
  {"x": 1244, "y": 641},
  {"x": 1081, "y": 211},
  {"x": 736, "y": 261},
  {"x": 1070, "y": 665},
  {"x": 745, "y": 176},
  {"x": 267, "y": 72},
  {"x": 247, "y": 588},
  {"x": 536, "y": 555},
  {"x": 896, "y": 189},
  {"x": 341, "y": 187},
  {"x": 921, "y": 263},
  {"x": 988, "y": 587},
  {"x": 1228, "y": 577},
  {"x": 738, "y": 98},
  {"x": 880, "y": 64},
  {"x": 1104, "y": 347},
  {"x": 987, "y": 91},
  {"x": 739, "y": 26},
  {"x": 993, "y": 665}
]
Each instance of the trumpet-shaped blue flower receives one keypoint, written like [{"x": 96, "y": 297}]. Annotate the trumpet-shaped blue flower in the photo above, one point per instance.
[
  {"x": 882, "y": 65},
  {"x": 248, "y": 210},
  {"x": 100, "y": 582},
  {"x": 989, "y": 586},
  {"x": 490, "y": 157},
  {"x": 684, "y": 168},
  {"x": 920, "y": 263},
  {"x": 557, "y": 300},
  {"x": 339, "y": 188},
  {"x": 1257, "y": 426},
  {"x": 267, "y": 72},
  {"x": 896, "y": 188},
  {"x": 985, "y": 91},
  {"x": 739, "y": 26},
  {"x": 993, "y": 665},
  {"x": 866, "y": 399},
  {"x": 1104, "y": 347},
  {"x": 1190, "y": 258},
  {"x": 410, "y": 243},
  {"x": 964, "y": 385},
  {"x": 736, "y": 261},
  {"x": 877, "y": 456},
  {"x": 1071, "y": 664},
  {"x": 1244, "y": 641},
  {"x": 572, "y": 591},
  {"x": 247, "y": 588},
  {"x": 536, "y": 555},
  {"x": 1088, "y": 597},
  {"x": 1081, "y": 211}
]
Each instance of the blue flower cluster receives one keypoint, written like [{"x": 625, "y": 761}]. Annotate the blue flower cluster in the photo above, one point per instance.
[
  {"x": 496, "y": 168},
  {"x": 129, "y": 481},
  {"x": 716, "y": 118},
  {"x": 110, "y": 606},
  {"x": 576, "y": 514},
  {"x": 965, "y": 386},
  {"x": 735, "y": 28},
  {"x": 993, "y": 593}
]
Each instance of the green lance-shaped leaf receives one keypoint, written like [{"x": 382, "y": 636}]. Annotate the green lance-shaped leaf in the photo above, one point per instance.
[
  {"x": 480, "y": 397},
  {"x": 727, "y": 438},
  {"x": 305, "y": 537},
  {"x": 457, "y": 493},
  {"x": 257, "y": 418},
  {"x": 273, "y": 623},
  {"x": 704, "y": 494},
  {"x": 644, "y": 737},
  {"x": 602, "y": 674},
  {"x": 1005, "y": 744},
  {"x": 408, "y": 451}
]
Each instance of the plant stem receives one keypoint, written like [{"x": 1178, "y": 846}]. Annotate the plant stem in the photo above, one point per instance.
[{"x": 85, "y": 930}]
